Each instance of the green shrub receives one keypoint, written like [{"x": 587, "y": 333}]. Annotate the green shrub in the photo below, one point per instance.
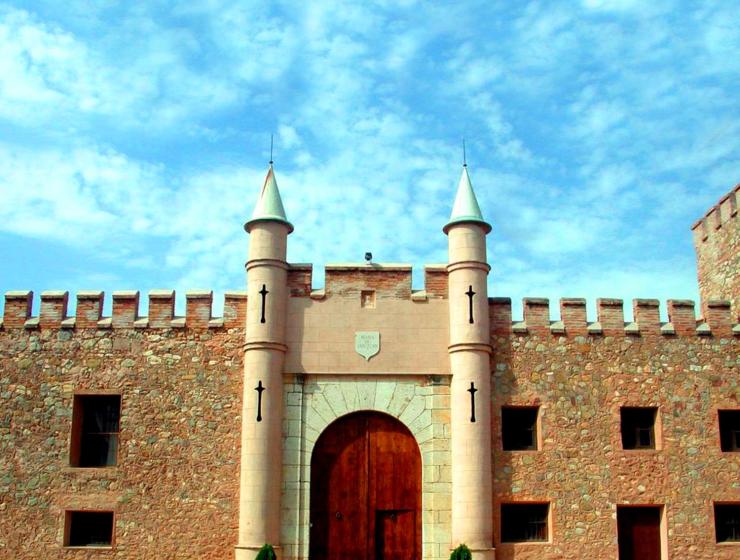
[
  {"x": 462, "y": 552},
  {"x": 266, "y": 553}
]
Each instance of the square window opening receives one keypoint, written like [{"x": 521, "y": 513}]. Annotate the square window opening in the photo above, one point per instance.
[
  {"x": 95, "y": 430},
  {"x": 729, "y": 430},
  {"x": 519, "y": 428},
  {"x": 524, "y": 522},
  {"x": 88, "y": 528},
  {"x": 367, "y": 299},
  {"x": 727, "y": 522},
  {"x": 638, "y": 427}
]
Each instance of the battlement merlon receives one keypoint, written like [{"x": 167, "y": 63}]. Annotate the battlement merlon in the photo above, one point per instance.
[
  {"x": 386, "y": 279},
  {"x": 717, "y": 216},
  {"x": 18, "y": 313},
  {"x": 394, "y": 281},
  {"x": 682, "y": 320}
]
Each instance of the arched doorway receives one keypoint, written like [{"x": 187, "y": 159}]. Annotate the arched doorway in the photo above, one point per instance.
[{"x": 366, "y": 491}]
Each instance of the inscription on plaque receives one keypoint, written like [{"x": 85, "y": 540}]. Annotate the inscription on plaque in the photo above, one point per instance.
[{"x": 367, "y": 344}]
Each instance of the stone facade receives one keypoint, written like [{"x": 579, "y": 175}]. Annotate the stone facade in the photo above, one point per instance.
[
  {"x": 178, "y": 459},
  {"x": 186, "y": 459},
  {"x": 580, "y": 383}
]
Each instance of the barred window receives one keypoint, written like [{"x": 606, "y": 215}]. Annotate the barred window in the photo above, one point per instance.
[
  {"x": 727, "y": 522},
  {"x": 524, "y": 522},
  {"x": 95, "y": 430}
]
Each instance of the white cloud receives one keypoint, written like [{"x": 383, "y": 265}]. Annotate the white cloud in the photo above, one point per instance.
[
  {"x": 77, "y": 196},
  {"x": 592, "y": 133},
  {"x": 49, "y": 75},
  {"x": 613, "y": 5}
]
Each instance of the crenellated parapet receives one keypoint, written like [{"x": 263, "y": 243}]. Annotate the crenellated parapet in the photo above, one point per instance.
[
  {"x": 717, "y": 217},
  {"x": 125, "y": 311},
  {"x": 348, "y": 281},
  {"x": 387, "y": 280},
  {"x": 682, "y": 319},
  {"x": 390, "y": 282}
]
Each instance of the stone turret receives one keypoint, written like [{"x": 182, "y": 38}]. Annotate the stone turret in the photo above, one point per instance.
[
  {"x": 717, "y": 244},
  {"x": 264, "y": 356},
  {"x": 470, "y": 350}
]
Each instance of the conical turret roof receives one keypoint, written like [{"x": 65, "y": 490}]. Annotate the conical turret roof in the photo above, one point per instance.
[
  {"x": 466, "y": 207},
  {"x": 269, "y": 207}
]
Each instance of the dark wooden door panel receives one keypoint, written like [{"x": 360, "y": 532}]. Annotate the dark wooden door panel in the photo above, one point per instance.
[
  {"x": 339, "y": 492},
  {"x": 395, "y": 468},
  {"x": 393, "y": 532},
  {"x": 638, "y": 533},
  {"x": 365, "y": 491}
]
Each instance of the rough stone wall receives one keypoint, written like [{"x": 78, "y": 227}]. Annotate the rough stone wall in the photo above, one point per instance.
[
  {"x": 175, "y": 487},
  {"x": 580, "y": 382},
  {"x": 717, "y": 243}
]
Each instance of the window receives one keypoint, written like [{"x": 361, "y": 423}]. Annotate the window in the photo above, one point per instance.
[
  {"x": 88, "y": 528},
  {"x": 729, "y": 430},
  {"x": 95, "y": 428},
  {"x": 367, "y": 299},
  {"x": 519, "y": 427},
  {"x": 524, "y": 522},
  {"x": 638, "y": 427},
  {"x": 727, "y": 522}
]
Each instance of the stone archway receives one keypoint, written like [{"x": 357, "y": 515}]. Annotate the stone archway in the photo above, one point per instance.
[{"x": 365, "y": 490}]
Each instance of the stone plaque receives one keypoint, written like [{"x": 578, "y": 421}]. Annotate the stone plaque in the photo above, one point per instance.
[{"x": 367, "y": 344}]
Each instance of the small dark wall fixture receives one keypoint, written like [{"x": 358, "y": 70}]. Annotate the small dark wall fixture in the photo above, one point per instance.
[
  {"x": 470, "y": 293},
  {"x": 472, "y": 392},
  {"x": 259, "y": 388},
  {"x": 263, "y": 292}
]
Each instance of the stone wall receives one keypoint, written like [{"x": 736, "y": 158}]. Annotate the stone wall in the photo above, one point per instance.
[
  {"x": 717, "y": 243},
  {"x": 581, "y": 469},
  {"x": 175, "y": 487}
]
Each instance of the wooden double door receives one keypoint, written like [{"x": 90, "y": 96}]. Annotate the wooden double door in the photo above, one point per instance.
[{"x": 366, "y": 491}]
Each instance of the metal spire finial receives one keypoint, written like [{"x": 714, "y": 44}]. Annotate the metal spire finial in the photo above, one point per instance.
[
  {"x": 465, "y": 159},
  {"x": 271, "y": 142}
]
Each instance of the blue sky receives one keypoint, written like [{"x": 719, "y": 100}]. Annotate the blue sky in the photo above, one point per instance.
[{"x": 134, "y": 138}]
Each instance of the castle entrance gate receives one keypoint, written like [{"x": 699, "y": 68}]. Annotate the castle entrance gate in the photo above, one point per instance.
[{"x": 366, "y": 491}]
